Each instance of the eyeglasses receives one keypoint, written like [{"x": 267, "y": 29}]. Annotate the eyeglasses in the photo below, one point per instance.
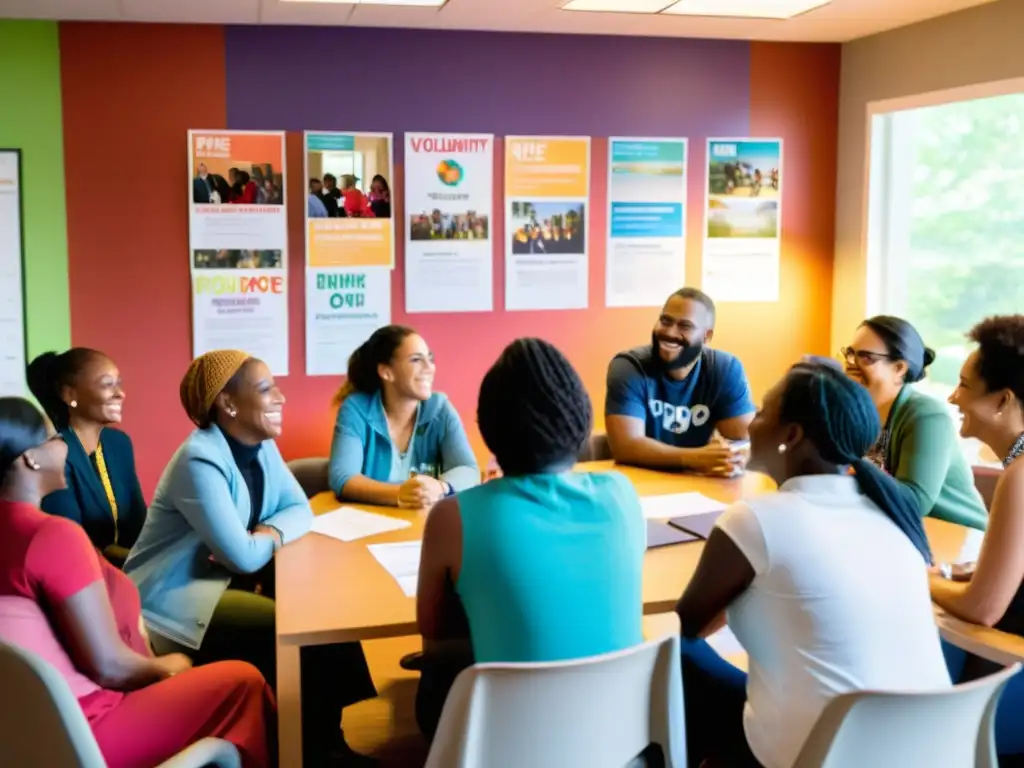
[{"x": 862, "y": 355}]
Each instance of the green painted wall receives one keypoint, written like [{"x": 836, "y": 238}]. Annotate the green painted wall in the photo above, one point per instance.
[{"x": 30, "y": 120}]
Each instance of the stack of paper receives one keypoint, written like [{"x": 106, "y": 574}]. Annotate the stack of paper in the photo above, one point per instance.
[
  {"x": 349, "y": 524},
  {"x": 402, "y": 561},
  {"x": 678, "y": 505}
]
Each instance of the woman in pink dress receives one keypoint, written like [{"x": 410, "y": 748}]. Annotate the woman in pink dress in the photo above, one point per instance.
[{"x": 62, "y": 601}]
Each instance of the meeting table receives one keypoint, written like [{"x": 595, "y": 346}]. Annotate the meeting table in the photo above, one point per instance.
[{"x": 331, "y": 591}]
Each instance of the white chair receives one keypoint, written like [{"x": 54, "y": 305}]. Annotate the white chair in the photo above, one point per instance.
[
  {"x": 953, "y": 727},
  {"x": 599, "y": 712},
  {"x": 41, "y": 722}
]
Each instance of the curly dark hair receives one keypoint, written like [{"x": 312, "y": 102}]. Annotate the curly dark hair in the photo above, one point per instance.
[{"x": 1000, "y": 341}]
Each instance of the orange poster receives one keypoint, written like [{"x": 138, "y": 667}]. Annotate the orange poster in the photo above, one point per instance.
[
  {"x": 238, "y": 243},
  {"x": 547, "y": 184},
  {"x": 348, "y": 208},
  {"x": 547, "y": 167}
]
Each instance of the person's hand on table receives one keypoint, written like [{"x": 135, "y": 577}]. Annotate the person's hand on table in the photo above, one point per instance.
[
  {"x": 719, "y": 458},
  {"x": 953, "y": 572},
  {"x": 420, "y": 492}
]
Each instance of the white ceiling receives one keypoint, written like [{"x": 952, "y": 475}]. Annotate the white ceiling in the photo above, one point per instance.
[{"x": 840, "y": 21}]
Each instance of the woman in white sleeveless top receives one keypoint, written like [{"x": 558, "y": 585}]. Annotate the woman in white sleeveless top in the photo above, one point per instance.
[{"x": 824, "y": 583}]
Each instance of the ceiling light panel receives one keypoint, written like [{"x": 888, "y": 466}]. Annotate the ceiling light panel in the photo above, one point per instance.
[
  {"x": 406, "y": 3},
  {"x": 750, "y": 9},
  {"x": 617, "y": 6}
]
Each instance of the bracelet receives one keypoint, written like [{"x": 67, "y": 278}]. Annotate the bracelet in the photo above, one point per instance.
[{"x": 946, "y": 571}]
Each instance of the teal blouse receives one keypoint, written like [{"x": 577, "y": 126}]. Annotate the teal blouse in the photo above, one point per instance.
[{"x": 552, "y": 566}]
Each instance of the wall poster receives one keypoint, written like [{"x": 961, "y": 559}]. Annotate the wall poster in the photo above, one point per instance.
[{"x": 238, "y": 244}]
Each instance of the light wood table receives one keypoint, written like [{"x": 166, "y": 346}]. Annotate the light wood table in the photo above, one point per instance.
[{"x": 330, "y": 591}]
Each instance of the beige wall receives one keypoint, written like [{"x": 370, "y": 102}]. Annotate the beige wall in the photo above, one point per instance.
[{"x": 979, "y": 45}]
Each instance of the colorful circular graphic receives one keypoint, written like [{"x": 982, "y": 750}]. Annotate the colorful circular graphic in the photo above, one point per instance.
[{"x": 449, "y": 172}]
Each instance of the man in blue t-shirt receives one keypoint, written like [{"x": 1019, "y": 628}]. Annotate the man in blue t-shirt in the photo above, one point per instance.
[{"x": 666, "y": 401}]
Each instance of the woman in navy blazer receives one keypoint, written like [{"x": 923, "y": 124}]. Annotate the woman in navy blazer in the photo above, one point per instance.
[
  {"x": 81, "y": 392},
  {"x": 204, "y": 560}
]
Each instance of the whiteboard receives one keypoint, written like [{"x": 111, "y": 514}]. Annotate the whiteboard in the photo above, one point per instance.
[{"x": 12, "y": 301}]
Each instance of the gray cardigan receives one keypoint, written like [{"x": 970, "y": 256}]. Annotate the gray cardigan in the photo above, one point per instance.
[{"x": 201, "y": 508}]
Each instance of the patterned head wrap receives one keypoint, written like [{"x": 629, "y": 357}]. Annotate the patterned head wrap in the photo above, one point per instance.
[{"x": 205, "y": 379}]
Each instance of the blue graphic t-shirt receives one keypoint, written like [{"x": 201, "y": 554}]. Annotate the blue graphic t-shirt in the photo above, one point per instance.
[{"x": 680, "y": 413}]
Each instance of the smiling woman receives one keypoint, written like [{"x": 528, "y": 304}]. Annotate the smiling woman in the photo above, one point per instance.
[
  {"x": 204, "y": 560},
  {"x": 918, "y": 442},
  {"x": 396, "y": 441},
  {"x": 81, "y": 392}
]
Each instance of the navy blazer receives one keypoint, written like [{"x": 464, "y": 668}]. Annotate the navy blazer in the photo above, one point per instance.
[{"x": 85, "y": 500}]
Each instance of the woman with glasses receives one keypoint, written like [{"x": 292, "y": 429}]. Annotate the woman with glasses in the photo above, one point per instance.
[{"x": 918, "y": 445}]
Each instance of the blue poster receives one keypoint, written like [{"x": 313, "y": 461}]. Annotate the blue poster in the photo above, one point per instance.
[{"x": 646, "y": 221}]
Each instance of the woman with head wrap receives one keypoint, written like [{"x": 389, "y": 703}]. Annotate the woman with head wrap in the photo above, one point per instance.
[
  {"x": 918, "y": 445},
  {"x": 823, "y": 583},
  {"x": 545, "y": 562},
  {"x": 203, "y": 562}
]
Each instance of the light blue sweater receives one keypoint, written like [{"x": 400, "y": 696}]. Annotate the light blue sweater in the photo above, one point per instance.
[
  {"x": 202, "y": 508},
  {"x": 362, "y": 445}
]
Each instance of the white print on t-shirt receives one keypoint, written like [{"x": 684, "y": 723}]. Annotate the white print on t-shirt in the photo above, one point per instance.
[{"x": 678, "y": 418}]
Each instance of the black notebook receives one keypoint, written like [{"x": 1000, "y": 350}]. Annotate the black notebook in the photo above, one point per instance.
[
  {"x": 698, "y": 525},
  {"x": 661, "y": 535}
]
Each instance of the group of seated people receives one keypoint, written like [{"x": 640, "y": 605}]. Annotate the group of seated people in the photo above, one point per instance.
[{"x": 161, "y": 616}]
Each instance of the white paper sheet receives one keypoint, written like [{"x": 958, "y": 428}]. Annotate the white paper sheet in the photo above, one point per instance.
[
  {"x": 725, "y": 643},
  {"x": 349, "y": 524},
  {"x": 402, "y": 561},
  {"x": 971, "y": 546},
  {"x": 678, "y": 505}
]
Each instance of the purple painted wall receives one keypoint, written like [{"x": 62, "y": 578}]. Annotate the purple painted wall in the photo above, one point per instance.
[
  {"x": 413, "y": 80},
  {"x": 506, "y": 84}
]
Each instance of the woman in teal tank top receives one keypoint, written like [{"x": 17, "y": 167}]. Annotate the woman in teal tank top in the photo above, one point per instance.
[{"x": 545, "y": 563}]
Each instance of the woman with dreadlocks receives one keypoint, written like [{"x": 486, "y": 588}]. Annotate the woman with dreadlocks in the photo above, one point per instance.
[
  {"x": 545, "y": 562},
  {"x": 799, "y": 573}
]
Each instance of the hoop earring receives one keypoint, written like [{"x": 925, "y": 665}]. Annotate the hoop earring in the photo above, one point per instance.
[{"x": 782, "y": 448}]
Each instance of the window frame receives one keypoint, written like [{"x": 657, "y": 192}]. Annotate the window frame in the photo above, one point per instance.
[{"x": 887, "y": 196}]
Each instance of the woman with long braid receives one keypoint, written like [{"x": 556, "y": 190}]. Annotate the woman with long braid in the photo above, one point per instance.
[
  {"x": 546, "y": 562},
  {"x": 799, "y": 573}
]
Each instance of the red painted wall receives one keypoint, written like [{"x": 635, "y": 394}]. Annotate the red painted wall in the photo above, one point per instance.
[
  {"x": 130, "y": 94},
  {"x": 132, "y": 91}
]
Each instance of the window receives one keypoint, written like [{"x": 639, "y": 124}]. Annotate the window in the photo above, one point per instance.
[
  {"x": 946, "y": 222},
  {"x": 343, "y": 164}
]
